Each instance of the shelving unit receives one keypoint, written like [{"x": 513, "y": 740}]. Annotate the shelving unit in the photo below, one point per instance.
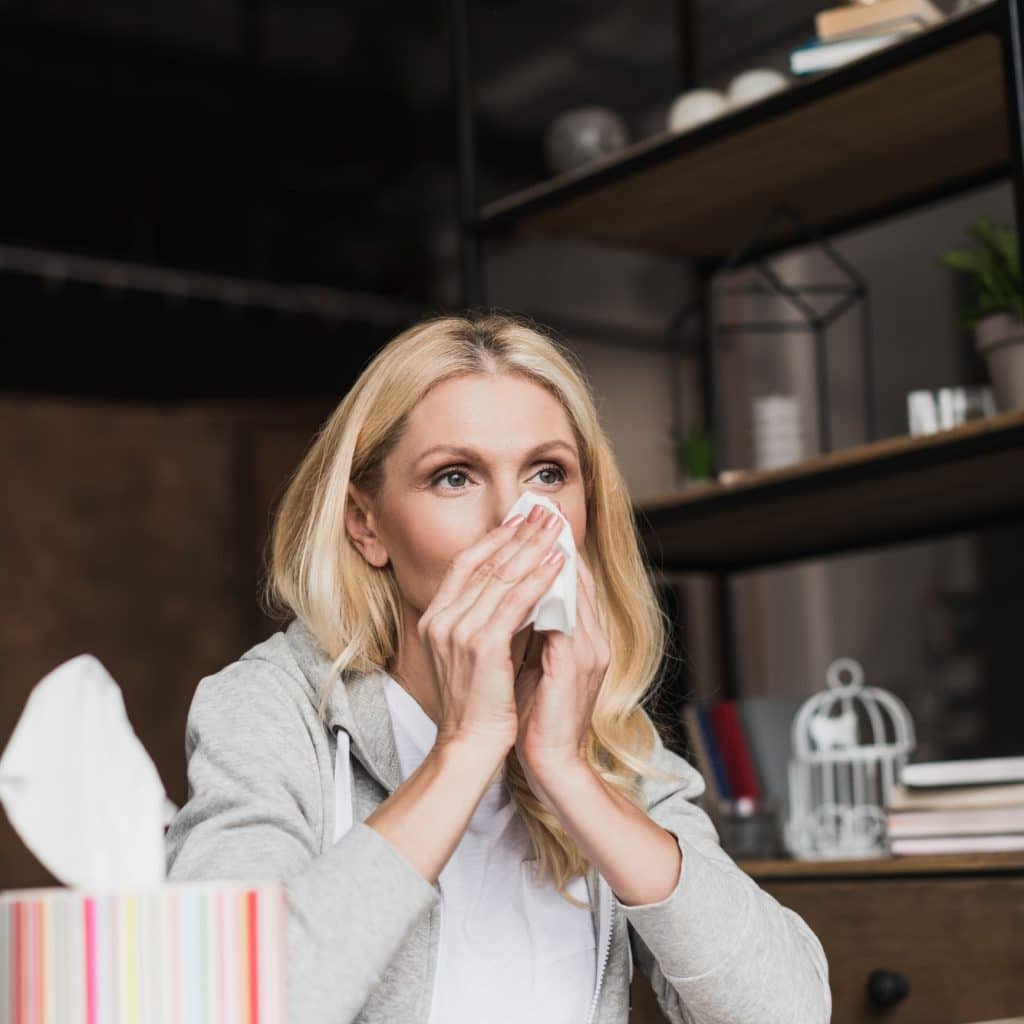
[
  {"x": 919, "y": 120},
  {"x": 900, "y": 489},
  {"x": 924, "y": 119},
  {"x": 1010, "y": 861}
]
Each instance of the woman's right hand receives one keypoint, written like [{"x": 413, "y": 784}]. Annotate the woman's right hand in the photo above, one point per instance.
[{"x": 468, "y": 626}]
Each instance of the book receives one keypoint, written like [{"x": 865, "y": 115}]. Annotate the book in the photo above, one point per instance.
[
  {"x": 817, "y": 56},
  {"x": 955, "y": 844},
  {"x": 732, "y": 745},
  {"x": 699, "y": 750},
  {"x": 882, "y": 28},
  {"x": 984, "y": 770},
  {"x": 1008, "y": 794},
  {"x": 714, "y": 753},
  {"x": 712, "y": 797},
  {"x": 904, "y": 26},
  {"x": 973, "y": 821},
  {"x": 767, "y": 722},
  {"x": 837, "y": 21}
]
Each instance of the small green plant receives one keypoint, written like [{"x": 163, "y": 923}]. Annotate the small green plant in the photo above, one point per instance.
[
  {"x": 694, "y": 452},
  {"x": 993, "y": 264}
]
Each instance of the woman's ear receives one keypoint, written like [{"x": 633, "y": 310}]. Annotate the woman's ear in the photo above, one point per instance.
[{"x": 359, "y": 523}]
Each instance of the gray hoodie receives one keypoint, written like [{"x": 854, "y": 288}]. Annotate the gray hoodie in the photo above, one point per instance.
[{"x": 362, "y": 931}]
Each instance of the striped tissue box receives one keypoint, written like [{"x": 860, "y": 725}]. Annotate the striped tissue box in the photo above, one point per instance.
[{"x": 181, "y": 953}]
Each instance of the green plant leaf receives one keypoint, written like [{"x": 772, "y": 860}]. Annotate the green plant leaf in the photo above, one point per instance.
[
  {"x": 994, "y": 264},
  {"x": 962, "y": 259}
]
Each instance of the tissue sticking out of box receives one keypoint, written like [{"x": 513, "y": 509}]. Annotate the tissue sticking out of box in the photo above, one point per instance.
[
  {"x": 556, "y": 608},
  {"x": 78, "y": 785}
]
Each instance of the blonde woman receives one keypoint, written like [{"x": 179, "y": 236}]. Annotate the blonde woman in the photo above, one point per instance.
[{"x": 473, "y": 822}]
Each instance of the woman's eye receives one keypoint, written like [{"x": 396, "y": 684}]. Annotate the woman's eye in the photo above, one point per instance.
[
  {"x": 553, "y": 469},
  {"x": 447, "y": 474}
]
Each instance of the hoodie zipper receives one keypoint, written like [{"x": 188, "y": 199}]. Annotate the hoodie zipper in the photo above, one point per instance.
[
  {"x": 437, "y": 954},
  {"x": 610, "y": 903},
  {"x": 606, "y": 938}
]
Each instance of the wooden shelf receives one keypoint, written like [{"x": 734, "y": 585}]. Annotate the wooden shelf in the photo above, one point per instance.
[
  {"x": 892, "y": 491},
  {"x": 919, "y": 119},
  {"x": 931, "y": 864}
]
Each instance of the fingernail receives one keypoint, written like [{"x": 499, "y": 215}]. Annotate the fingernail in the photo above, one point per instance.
[
  {"x": 553, "y": 520},
  {"x": 554, "y": 555},
  {"x": 535, "y": 513},
  {"x": 515, "y": 520}
]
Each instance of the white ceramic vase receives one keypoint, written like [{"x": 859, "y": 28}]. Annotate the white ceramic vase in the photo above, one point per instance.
[{"x": 999, "y": 337}]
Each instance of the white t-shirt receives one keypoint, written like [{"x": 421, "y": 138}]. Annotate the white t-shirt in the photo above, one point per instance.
[{"x": 510, "y": 949}]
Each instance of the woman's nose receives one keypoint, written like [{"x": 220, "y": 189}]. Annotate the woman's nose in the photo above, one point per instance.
[
  {"x": 504, "y": 502},
  {"x": 509, "y": 499}
]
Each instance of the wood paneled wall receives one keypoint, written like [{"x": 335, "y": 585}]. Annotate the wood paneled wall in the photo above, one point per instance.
[{"x": 135, "y": 532}]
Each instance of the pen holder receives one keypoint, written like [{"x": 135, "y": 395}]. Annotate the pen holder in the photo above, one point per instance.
[{"x": 749, "y": 827}]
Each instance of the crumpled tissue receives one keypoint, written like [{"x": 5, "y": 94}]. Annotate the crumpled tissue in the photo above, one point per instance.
[
  {"x": 78, "y": 785},
  {"x": 556, "y": 607}
]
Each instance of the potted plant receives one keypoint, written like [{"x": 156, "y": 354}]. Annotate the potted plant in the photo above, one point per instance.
[
  {"x": 997, "y": 316},
  {"x": 694, "y": 453}
]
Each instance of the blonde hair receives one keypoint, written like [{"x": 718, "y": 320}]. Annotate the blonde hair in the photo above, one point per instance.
[{"x": 354, "y": 609}]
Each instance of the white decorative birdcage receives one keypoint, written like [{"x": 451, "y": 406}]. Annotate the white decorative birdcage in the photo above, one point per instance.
[{"x": 848, "y": 746}]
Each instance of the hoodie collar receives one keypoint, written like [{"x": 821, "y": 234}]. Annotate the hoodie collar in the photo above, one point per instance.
[{"x": 358, "y": 705}]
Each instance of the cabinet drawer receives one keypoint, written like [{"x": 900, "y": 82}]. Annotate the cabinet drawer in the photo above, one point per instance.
[{"x": 958, "y": 943}]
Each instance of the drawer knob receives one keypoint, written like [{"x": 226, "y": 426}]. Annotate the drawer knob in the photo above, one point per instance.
[{"x": 886, "y": 988}]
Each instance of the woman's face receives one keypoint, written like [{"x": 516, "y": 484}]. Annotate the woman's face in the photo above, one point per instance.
[{"x": 473, "y": 445}]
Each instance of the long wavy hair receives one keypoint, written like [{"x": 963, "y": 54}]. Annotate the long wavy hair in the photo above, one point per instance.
[{"x": 354, "y": 609}]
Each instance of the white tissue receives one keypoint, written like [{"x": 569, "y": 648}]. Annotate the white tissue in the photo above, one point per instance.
[
  {"x": 556, "y": 608},
  {"x": 78, "y": 785}
]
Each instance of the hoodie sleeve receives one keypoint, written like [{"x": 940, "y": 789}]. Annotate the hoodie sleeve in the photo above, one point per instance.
[
  {"x": 254, "y": 811},
  {"x": 719, "y": 949}
]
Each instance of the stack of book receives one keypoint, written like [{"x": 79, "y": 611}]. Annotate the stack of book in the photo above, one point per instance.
[
  {"x": 958, "y": 807},
  {"x": 856, "y": 29},
  {"x": 742, "y": 748}
]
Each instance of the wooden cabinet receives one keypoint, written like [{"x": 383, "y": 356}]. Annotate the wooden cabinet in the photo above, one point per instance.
[
  {"x": 909, "y": 940},
  {"x": 912, "y": 940}
]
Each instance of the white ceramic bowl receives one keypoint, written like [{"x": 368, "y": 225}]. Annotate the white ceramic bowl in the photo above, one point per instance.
[
  {"x": 754, "y": 84},
  {"x": 694, "y": 107}
]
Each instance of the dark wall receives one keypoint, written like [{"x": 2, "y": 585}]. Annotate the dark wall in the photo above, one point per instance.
[{"x": 135, "y": 533}]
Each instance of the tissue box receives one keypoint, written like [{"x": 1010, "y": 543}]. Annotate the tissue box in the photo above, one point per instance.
[{"x": 179, "y": 953}]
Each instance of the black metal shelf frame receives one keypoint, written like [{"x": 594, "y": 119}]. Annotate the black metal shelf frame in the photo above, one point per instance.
[{"x": 1005, "y": 18}]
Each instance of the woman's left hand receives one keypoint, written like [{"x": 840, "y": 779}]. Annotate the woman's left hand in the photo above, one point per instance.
[{"x": 556, "y": 693}]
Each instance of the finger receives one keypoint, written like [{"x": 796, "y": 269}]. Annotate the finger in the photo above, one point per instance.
[
  {"x": 583, "y": 639},
  {"x": 530, "y": 672},
  {"x": 510, "y": 584},
  {"x": 501, "y": 566},
  {"x": 586, "y": 621},
  {"x": 467, "y": 561},
  {"x": 587, "y": 613},
  {"x": 587, "y": 578},
  {"x": 559, "y": 658},
  {"x": 584, "y": 595},
  {"x": 590, "y": 586},
  {"x": 524, "y": 651}
]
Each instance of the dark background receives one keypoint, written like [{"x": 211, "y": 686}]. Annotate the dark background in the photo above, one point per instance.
[
  {"x": 147, "y": 436},
  {"x": 306, "y": 143}
]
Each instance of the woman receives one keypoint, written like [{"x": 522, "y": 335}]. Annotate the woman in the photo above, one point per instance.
[{"x": 509, "y": 831}]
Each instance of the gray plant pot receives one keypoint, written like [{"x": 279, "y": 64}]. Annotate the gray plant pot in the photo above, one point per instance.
[{"x": 999, "y": 337}]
